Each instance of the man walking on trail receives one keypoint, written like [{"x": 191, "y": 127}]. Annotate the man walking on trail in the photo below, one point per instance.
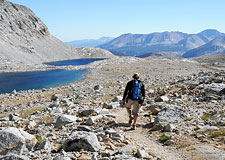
[{"x": 134, "y": 95}]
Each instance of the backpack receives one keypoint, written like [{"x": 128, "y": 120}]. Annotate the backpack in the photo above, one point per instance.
[{"x": 137, "y": 90}]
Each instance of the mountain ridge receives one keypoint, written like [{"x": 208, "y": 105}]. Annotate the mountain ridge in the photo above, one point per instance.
[
  {"x": 137, "y": 44},
  {"x": 215, "y": 46}
]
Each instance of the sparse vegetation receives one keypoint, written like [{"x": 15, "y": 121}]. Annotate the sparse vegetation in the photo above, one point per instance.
[
  {"x": 206, "y": 116},
  {"x": 163, "y": 138},
  {"x": 30, "y": 111},
  {"x": 218, "y": 133},
  {"x": 188, "y": 118}
]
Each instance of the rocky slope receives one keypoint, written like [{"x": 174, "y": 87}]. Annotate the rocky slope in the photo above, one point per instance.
[
  {"x": 215, "y": 59},
  {"x": 215, "y": 46},
  {"x": 25, "y": 38},
  {"x": 138, "y": 44}
]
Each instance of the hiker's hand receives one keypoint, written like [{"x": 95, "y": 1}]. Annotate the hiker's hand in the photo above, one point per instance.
[
  {"x": 123, "y": 102},
  {"x": 142, "y": 104}
]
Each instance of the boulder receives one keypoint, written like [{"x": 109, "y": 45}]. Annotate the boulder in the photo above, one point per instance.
[
  {"x": 214, "y": 88},
  {"x": 16, "y": 141},
  {"x": 14, "y": 157},
  {"x": 64, "y": 119},
  {"x": 82, "y": 140},
  {"x": 171, "y": 113}
]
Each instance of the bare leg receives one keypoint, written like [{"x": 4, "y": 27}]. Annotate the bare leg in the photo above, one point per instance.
[
  {"x": 135, "y": 120},
  {"x": 129, "y": 111}
]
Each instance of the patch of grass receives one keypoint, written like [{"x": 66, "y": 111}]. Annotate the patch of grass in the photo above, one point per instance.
[
  {"x": 40, "y": 140},
  {"x": 218, "y": 133},
  {"x": 163, "y": 138},
  {"x": 30, "y": 111},
  {"x": 188, "y": 118},
  {"x": 206, "y": 116}
]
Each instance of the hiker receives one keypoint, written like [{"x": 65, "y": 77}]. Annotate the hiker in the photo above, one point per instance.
[{"x": 134, "y": 95}]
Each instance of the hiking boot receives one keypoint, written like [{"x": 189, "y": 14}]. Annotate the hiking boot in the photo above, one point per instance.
[
  {"x": 130, "y": 119},
  {"x": 134, "y": 126}
]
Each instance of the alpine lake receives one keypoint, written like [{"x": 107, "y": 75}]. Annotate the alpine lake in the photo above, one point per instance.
[{"x": 44, "y": 79}]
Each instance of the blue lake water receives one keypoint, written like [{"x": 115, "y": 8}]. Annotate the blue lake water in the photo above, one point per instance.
[
  {"x": 43, "y": 79},
  {"x": 74, "y": 62},
  {"x": 37, "y": 80}
]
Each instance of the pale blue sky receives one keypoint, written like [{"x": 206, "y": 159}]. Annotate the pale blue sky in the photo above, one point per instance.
[{"x": 91, "y": 19}]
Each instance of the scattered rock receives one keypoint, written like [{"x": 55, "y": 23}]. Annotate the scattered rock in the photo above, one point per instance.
[{"x": 82, "y": 140}]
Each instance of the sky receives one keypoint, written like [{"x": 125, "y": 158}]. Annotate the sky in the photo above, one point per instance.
[{"x": 71, "y": 20}]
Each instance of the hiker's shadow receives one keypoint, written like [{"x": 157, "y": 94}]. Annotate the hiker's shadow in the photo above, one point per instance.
[{"x": 123, "y": 125}]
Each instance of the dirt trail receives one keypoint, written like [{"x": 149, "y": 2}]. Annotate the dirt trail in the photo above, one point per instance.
[{"x": 140, "y": 137}]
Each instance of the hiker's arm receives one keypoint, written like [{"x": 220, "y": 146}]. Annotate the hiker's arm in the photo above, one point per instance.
[
  {"x": 143, "y": 91},
  {"x": 125, "y": 92}
]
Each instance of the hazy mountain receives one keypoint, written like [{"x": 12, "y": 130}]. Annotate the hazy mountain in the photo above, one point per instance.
[
  {"x": 215, "y": 46},
  {"x": 24, "y": 37},
  {"x": 90, "y": 42},
  {"x": 178, "y": 42}
]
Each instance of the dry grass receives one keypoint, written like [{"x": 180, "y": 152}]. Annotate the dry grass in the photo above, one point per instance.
[{"x": 30, "y": 111}]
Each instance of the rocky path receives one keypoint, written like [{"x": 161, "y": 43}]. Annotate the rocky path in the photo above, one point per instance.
[{"x": 140, "y": 137}]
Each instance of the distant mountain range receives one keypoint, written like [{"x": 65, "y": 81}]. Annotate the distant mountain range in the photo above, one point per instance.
[
  {"x": 90, "y": 42},
  {"x": 176, "y": 42},
  {"x": 215, "y": 46}
]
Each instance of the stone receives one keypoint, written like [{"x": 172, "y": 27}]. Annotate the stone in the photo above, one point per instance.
[
  {"x": 87, "y": 112},
  {"x": 84, "y": 157},
  {"x": 65, "y": 119},
  {"x": 97, "y": 87},
  {"x": 155, "y": 111},
  {"x": 93, "y": 119},
  {"x": 128, "y": 150},
  {"x": 56, "y": 111},
  {"x": 17, "y": 141},
  {"x": 169, "y": 128},
  {"x": 124, "y": 157},
  {"x": 110, "y": 131},
  {"x": 161, "y": 99},
  {"x": 61, "y": 158},
  {"x": 214, "y": 88},
  {"x": 79, "y": 140},
  {"x": 117, "y": 99},
  {"x": 171, "y": 113},
  {"x": 55, "y": 97},
  {"x": 142, "y": 154},
  {"x": 14, "y": 118},
  {"x": 30, "y": 125},
  {"x": 46, "y": 145}
]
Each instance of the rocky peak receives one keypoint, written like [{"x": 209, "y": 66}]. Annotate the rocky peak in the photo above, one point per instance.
[
  {"x": 17, "y": 21},
  {"x": 2, "y": 1}
]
